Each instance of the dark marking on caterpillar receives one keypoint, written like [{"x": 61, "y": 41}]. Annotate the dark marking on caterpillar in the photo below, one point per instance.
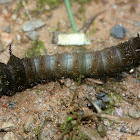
[{"x": 20, "y": 74}]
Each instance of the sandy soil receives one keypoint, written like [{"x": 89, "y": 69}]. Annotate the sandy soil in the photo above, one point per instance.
[{"x": 39, "y": 112}]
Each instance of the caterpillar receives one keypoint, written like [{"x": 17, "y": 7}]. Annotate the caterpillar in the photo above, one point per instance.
[{"x": 20, "y": 74}]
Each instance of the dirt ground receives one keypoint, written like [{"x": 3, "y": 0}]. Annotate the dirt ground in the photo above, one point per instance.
[{"x": 43, "y": 111}]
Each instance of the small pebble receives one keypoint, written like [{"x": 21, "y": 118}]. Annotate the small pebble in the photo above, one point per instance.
[
  {"x": 114, "y": 6},
  {"x": 33, "y": 35},
  {"x": 25, "y": 109},
  {"x": 44, "y": 105},
  {"x": 35, "y": 101},
  {"x": 47, "y": 7},
  {"x": 12, "y": 105},
  {"x": 123, "y": 95},
  {"x": 106, "y": 123},
  {"x": 137, "y": 23},
  {"x": 14, "y": 17},
  {"x": 134, "y": 112},
  {"x": 7, "y": 29},
  {"x": 81, "y": 112},
  {"x": 9, "y": 136},
  {"x": 40, "y": 100},
  {"x": 124, "y": 74},
  {"x": 18, "y": 37},
  {"x": 101, "y": 104},
  {"x": 28, "y": 124},
  {"x": 131, "y": 71},
  {"x": 118, "y": 31},
  {"x": 100, "y": 95},
  {"x": 105, "y": 99},
  {"x": 134, "y": 75},
  {"x": 67, "y": 82},
  {"x": 90, "y": 106},
  {"x": 123, "y": 129},
  {"x": 33, "y": 25},
  {"x": 73, "y": 87},
  {"x": 135, "y": 128},
  {"x": 102, "y": 130},
  {"x": 119, "y": 111},
  {"x": 7, "y": 126}
]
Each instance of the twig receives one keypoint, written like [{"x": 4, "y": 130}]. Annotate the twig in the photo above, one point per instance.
[
  {"x": 100, "y": 114},
  {"x": 87, "y": 25},
  {"x": 105, "y": 116},
  {"x": 26, "y": 9},
  {"x": 93, "y": 103}
]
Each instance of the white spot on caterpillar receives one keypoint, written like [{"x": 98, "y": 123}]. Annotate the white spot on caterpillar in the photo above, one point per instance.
[
  {"x": 68, "y": 62},
  {"x": 52, "y": 63},
  {"x": 88, "y": 63},
  {"x": 36, "y": 64}
]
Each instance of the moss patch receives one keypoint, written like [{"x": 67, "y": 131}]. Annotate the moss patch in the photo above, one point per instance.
[
  {"x": 51, "y": 3},
  {"x": 38, "y": 48}
]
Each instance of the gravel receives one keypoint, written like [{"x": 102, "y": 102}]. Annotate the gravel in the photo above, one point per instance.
[
  {"x": 118, "y": 31},
  {"x": 134, "y": 112},
  {"x": 32, "y": 25},
  {"x": 33, "y": 35}
]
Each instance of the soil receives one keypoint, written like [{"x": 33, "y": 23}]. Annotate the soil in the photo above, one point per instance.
[{"x": 41, "y": 112}]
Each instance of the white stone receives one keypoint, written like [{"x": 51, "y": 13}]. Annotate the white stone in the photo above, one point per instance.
[
  {"x": 9, "y": 136},
  {"x": 6, "y": 126}
]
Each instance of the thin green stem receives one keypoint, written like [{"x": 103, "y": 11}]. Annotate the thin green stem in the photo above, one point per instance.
[{"x": 67, "y": 2}]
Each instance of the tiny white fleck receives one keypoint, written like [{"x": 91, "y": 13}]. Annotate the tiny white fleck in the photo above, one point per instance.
[
  {"x": 40, "y": 100},
  {"x": 131, "y": 71}
]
